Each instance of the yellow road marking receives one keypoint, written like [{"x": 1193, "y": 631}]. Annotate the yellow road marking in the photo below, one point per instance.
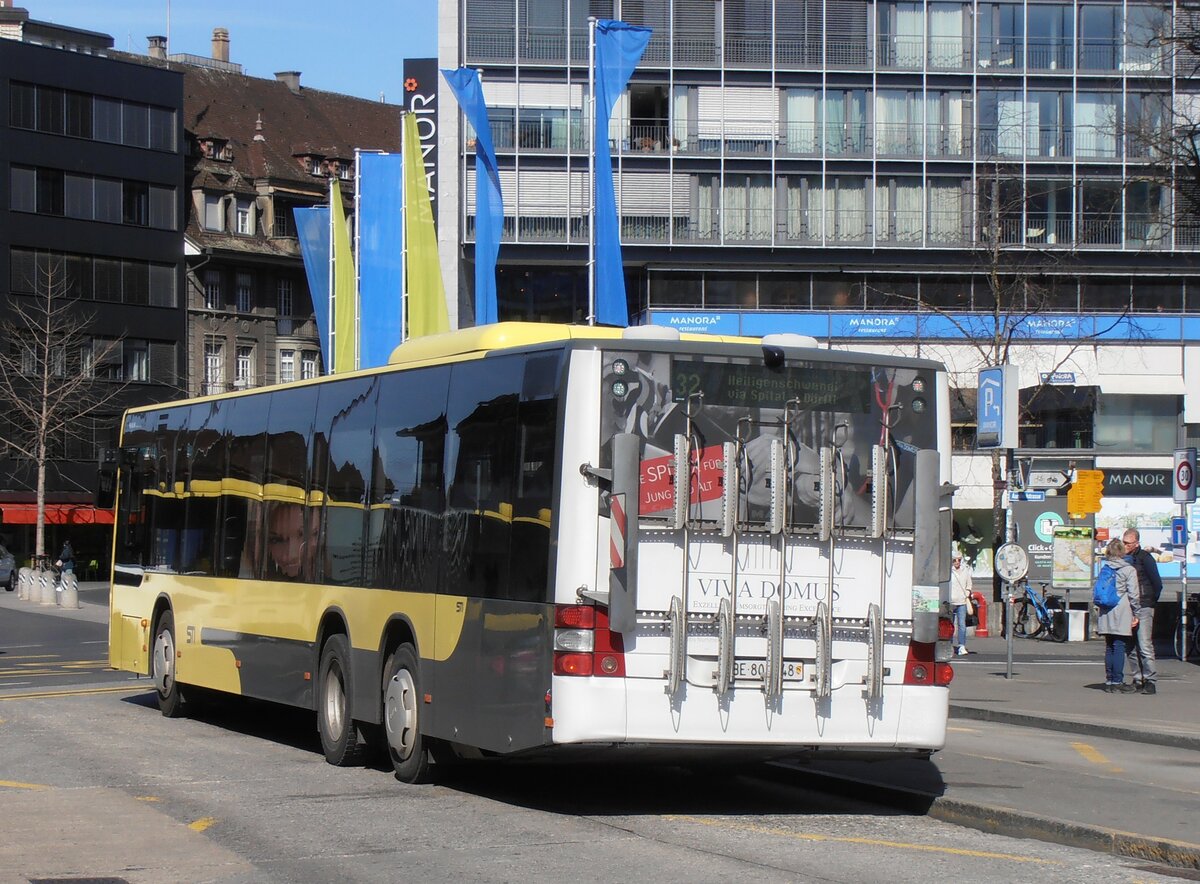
[
  {"x": 147, "y": 798},
  {"x": 963, "y": 730},
  {"x": 31, "y": 657},
  {"x": 42, "y": 673},
  {"x": 870, "y": 842},
  {"x": 1092, "y": 754},
  {"x": 201, "y": 824},
  {"x": 13, "y": 784},
  {"x": 41, "y": 695}
]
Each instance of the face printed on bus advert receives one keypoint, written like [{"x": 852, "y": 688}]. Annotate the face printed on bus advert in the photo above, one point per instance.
[{"x": 289, "y": 543}]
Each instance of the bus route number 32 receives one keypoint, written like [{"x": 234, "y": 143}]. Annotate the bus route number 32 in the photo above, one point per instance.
[{"x": 755, "y": 670}]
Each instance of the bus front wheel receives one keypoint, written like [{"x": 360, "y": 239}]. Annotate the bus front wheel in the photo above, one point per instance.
[
  {"x": 339, "y": 735},
  {"x": 401, "y": 716},
  {"x": 162, "y": 667}
]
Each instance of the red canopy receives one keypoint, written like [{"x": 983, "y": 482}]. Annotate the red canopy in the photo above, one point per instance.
[{"x": 56, "y": 514}]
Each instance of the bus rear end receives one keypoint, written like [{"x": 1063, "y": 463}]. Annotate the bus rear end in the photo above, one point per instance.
[{"x": 753, "y": 550}]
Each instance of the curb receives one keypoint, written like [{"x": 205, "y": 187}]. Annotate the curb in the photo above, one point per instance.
[
  {"x": 1024, "y": 719},
  {"x": 1009, "y": 821}
]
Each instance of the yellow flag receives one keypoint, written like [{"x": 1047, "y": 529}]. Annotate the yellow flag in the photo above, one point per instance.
[
  {"x": 426, "y": 292},
  {"x": 345, "y": 297}
]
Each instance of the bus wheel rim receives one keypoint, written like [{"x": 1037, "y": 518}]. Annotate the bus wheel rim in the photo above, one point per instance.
[
  {"x": 400, "y": 707},
  {"x": 335, "y": 700},
  {"x": 164, "y": 662}
]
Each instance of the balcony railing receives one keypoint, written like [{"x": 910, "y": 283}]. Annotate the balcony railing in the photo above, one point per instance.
[
  {"x": 899, "y": 139},
  {"x": 901, "y": 228},
  {"x": 1099, "y": 55}
]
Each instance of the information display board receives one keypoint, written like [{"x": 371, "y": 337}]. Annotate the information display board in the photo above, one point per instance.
[{"x": 1074, "y": 551}]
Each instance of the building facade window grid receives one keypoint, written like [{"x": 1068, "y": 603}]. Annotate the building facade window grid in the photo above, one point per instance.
[{"x": 1081, "y": 123}]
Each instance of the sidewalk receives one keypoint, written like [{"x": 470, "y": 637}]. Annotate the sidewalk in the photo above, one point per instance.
[
  {"x": 1059, "y": 687},
  {"x": 93, "y": 603}
]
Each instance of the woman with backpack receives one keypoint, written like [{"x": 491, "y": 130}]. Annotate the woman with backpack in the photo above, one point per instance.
[{"x": 1116, "y": 595}]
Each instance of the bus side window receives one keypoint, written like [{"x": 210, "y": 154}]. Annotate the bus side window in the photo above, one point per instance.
[
  {"x": 292, "y": 527},
  {"x": 408, "y": 499},
  {"x": 537, "y": 458},
  {"x": 482, "y": 467},
  {"x": 241, "y": 490},
  {"x": 348, "y": 409},
  {"x": 206, "y": 453}
]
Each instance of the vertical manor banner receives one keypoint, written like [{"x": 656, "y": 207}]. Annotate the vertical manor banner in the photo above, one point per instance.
[{"x": 421, "y": 99}]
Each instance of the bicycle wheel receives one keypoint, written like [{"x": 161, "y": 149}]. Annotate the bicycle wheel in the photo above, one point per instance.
[
  {"x": 1025, "y": 620},
  {"x": 1056, "y": 627}
]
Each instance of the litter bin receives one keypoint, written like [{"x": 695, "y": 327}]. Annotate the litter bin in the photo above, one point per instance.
[{"x": 1077, "y": 624}]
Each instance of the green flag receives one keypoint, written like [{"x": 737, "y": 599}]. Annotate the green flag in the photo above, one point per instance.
[
  {"x": 426, "y": 292},
  {"x": 345, "y": 298}
]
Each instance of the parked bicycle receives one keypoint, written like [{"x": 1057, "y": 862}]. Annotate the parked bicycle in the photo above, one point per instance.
[
  {"x": 1034, "y": 615},
  {"x": 1193, "y": 626}
]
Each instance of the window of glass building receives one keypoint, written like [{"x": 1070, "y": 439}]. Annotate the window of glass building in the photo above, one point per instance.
[
  {"x": 676, "y": 289},
  {"x": 731, "y": 290},
  {"x": 784, "y": 290},
  {"x": 841, "y": 292},
  {"x": 1099, "y": 36},
  {"x": 1101, "y": 294},
  {"x": 1140, "y": 422},
  {"x": 106, "y": 119}
]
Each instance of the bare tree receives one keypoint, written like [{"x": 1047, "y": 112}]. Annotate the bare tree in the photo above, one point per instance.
[
  {"x": 48, "y": 379},
  {"x": 1018, "y": 256}
]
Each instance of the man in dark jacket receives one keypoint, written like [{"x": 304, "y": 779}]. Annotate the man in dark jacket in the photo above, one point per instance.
[{"x": 1141, "y": 650}]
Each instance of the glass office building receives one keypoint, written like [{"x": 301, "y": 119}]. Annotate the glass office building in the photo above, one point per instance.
[{"x": 893, "y": 175}]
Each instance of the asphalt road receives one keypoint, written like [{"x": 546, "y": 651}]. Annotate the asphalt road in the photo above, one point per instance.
[{"x": 93, "y": 781}]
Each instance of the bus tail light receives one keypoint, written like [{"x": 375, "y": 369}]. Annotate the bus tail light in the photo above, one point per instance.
[
  {"x": 583, "y": 643},
  {"x": 923, "y": 670}
]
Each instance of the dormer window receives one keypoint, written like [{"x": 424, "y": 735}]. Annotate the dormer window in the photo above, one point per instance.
[
  {"x": 314, "y": 166},
  {"x": 216, "y": 149},
  {"x": 345, "y": 171}
]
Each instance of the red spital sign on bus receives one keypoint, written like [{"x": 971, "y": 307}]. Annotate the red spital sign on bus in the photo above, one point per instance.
[{"x": 656, "y": 492}]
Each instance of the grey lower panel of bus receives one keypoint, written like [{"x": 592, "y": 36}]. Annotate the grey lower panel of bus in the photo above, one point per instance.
[
  {"x": 491, "y": 692},
  {"x": 271, "y": 668}
]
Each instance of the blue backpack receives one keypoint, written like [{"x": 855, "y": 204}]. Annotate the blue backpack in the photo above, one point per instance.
[{"x": 1104, "y": 593}]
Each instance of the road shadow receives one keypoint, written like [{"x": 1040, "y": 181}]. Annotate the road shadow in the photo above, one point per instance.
[
  {"x": 285, "y": 725},
  {"x": 598, "y": 788}
]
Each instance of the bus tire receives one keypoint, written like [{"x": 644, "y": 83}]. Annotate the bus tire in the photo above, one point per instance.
[
  {"x": 339, "y": 735},
  {"x": 402, "y": 716},
  {"x": 162, "y": 667}
]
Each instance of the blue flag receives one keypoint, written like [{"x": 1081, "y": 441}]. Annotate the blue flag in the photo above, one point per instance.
[
  {"x": 489, "y": 203},
  {"x": 619, "y": 48},
  {"x": 312, "y": 229},
  {"x": 380, "y": 257}
]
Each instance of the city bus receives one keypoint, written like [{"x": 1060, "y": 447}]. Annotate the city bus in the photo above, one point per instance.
[{"x": 539, "y": 541}]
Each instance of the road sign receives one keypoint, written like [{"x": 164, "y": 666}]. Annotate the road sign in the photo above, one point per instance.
[
  {"x": 1047, "y": 479},
  {"x": 1028, "y": 495},
  {"x": 999, "y": 404},
  {"x": 1179, "y": 531},
  {"x": 1086, "y": 491},
  {"x": 1184, "y": 473},
  {"x": 1012, "y": 563}
]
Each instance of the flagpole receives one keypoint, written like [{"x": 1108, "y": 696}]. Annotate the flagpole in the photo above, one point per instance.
[
  {"x": 403, "y": 239},
  {"x": 357, "y": 252},
  {"x": 591, "y": 317},
  {"x": 329, "y": 369}
]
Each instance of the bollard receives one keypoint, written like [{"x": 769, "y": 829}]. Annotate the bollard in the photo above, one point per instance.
[
  {"x": 69, "y": 597},
  {"x": 23, "y": 584},
  {"x": 981, "y": 614},
  {"x": 46, "y": 588}
]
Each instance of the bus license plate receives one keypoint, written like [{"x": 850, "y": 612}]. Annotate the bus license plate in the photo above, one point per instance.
[{"x": 753, "y": 670}]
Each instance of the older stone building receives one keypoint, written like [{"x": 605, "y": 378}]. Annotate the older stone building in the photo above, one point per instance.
[{"x": 257, "y": 149}]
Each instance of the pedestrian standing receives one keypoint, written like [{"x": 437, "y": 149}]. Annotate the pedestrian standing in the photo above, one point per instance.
[
  {"x": 960, "y": 602},
  {"x": 1116, "y": 622},
  {"x": 66, "y": 558},
  {"x": 1141, "y": 649}
]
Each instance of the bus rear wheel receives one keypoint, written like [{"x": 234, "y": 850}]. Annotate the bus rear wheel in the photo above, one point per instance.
[
  {"x": 401, "y": 716},
  {"x": 162, "y": 667},
  {"x": 339, "y": 735}
]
